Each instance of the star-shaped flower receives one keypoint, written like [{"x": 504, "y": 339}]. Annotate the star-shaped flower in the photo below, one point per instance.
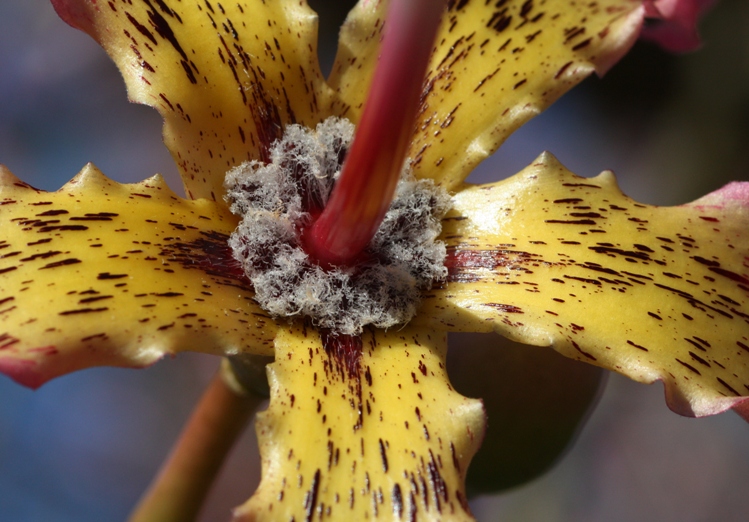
[{"x": 102, "y": 273}]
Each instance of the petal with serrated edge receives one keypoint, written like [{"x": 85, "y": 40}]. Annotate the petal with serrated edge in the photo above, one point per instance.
[
  {"x": 549, "y": 258},
  {"x": 226, "y": 77},
  {"x": 495, "y": 66},
  {"x": 357, "y": 438},
  {"x": 100, "y": 273}
]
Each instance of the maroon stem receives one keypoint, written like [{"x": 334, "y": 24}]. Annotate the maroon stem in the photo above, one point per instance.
[{"x": 365, "y": 189}]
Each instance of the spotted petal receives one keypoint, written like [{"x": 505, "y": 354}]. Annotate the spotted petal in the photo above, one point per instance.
[
  {"x": 359, "y": 437},
  {"x": 101, "y": 273},
  {"x": 495, "y": 66},
  {"x": 549, "y": 258},
  {"x": 226, "y": 77}
]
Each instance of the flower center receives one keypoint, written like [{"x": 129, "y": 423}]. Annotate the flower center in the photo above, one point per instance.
[{"x": 280, "y": 200}]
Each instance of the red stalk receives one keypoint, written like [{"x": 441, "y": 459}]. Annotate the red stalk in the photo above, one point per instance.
[{"x": 365, "y": 189}]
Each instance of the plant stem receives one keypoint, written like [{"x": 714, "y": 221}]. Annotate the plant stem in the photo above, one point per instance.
[
  {"x": 178, "y": 492},
  {"x": 366, "y": 186}
]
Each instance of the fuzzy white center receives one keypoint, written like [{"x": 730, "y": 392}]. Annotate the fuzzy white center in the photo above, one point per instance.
[{"x": 275, "y": 200}]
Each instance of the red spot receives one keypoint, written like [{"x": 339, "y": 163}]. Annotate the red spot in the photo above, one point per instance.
[
  {"x": 45, "y": 350},
  {"x": 506, "y": 308}
]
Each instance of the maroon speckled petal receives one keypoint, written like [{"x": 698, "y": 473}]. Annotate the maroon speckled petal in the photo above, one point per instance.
[
  {"x": 100, "y": 273},
  {"x": 227, "y": 78}
]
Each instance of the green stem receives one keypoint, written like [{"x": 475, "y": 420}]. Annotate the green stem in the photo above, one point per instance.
[{"x": 178, "y": 492}]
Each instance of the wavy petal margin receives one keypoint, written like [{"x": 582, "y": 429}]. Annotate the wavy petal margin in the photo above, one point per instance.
[
  {"x": 495, "y": 66},
  {"x": 549, "y": 258},
  {"x": 226, "y": 77},
  {"x": 359, "y": 435},
  {"x": 100, "y": 273}
]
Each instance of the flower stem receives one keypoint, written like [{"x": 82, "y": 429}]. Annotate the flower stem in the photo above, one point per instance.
[
  {"x": 178, "y": 492},
  {"x": 365, "y": 189}
]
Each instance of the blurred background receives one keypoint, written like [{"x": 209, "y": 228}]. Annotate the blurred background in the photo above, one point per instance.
[{"x": 85, "y": 446}]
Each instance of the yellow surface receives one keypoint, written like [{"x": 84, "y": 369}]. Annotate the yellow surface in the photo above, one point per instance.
[
  {"x": 493, "y": 69},
  {"x": 390, "y": 441},
  {"x": 103, "y": 273},
  {"x": 549, "y": 258},
  {"x": 227, "y": 76}
]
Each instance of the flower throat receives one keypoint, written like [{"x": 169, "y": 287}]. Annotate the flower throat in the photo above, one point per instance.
[{"x": 280, "y": 200}]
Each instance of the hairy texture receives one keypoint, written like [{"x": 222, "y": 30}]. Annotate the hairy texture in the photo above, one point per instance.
[
  {"x": 277, "y": 202},
  {"x": 100, "y": 273},
  {"x": 363, "y": 429},
  {"x": 229, "y": 78},
  {"x": 494, "y": 67},
  {"x": 298, "y": 177},
  {"x": 549, "y": 258}
]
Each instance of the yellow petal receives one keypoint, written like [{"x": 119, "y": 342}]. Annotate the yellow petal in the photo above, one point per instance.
[
  {"x": 227, "y": 77},
  {"x": 654, "y": 293},
  {"x": 102, "y": 273},
  {"x": 356, "y": 58},
  {"x": 357, "y": 439},
  {"x": 496, "y": 65}
]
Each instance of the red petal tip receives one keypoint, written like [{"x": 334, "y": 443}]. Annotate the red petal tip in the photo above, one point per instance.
[
  {"x": 735, "y": 194},
  {"x": 735, "y": 191},
  {"x": 674, "y": 23},
  {"x": 74, "y": 12},
  {"x": 24, "y": 372}
]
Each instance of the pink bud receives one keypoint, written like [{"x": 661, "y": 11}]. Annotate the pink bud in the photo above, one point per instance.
[{"x": 673, "y": 23}]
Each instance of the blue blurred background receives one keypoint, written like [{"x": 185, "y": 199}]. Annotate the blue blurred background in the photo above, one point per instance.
[{"x": 84, "y": 447}]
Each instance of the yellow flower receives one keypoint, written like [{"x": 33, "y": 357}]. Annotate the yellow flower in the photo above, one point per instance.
[{"x": 102, "y": 273}]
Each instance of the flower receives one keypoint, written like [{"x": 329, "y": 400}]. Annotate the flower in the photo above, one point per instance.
[
  {"x": 675, "y": 23},
  {"x": 160, "y": 264}
]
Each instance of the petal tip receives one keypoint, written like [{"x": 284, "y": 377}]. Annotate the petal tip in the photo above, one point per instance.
[
  {"x": 694, "y": 405},
  {"x": 24, "y": 372},
  {"x": 735, "y": 193},
  {"x": 89, "y": 176},
  {"x": 6, "y": 174},
  {"x": 626, "y": 35},
  {"x": 546, "y": 159},
  {"x": 8, "y": 179},
  {"x": 157, "y": 184},
  {"x": 674, "y": 23},
  {"x": 73, "y": 13},
  {"x": 742, "y": 408}
]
